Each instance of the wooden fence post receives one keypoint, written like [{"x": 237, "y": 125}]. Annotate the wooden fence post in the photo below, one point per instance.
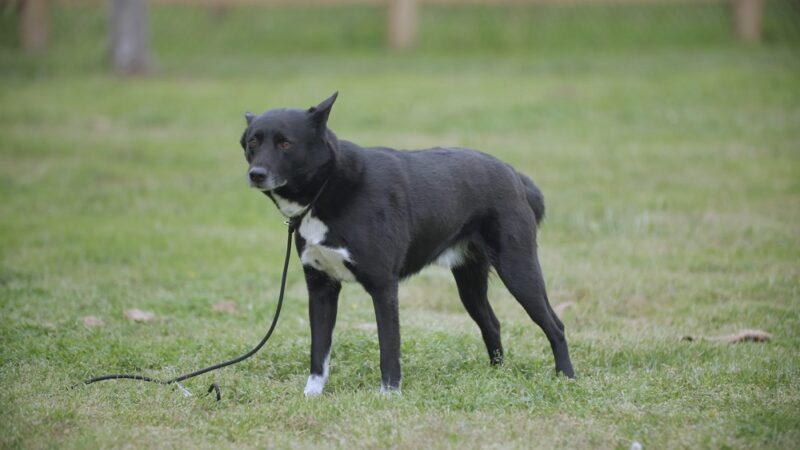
[
  {"x": 34, "y": 25},
  {"x": 402, "y": 23},
  {"x": 747, "y": 19}
]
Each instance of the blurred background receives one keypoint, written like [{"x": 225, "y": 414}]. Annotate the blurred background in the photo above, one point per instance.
[
  {"x": 665, "y": 135},
  {"x": 170, "y": 36}
]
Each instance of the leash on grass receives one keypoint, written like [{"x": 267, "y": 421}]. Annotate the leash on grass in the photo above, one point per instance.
[
  {"x": 293, "y": 223},
  {"x": 214, "y": 387}
]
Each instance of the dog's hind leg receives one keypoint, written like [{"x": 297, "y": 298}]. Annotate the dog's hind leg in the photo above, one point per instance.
[
  {"x": 472, "y": 281},
  {"x": 517, "y": 264},
  {"x": 323, "y": 298}
]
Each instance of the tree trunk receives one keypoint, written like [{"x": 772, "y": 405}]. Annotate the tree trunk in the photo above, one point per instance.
[
  {"x": 130, "y": 42},
  {"x": 34, "y": 25},
  {"x": 747, "y": 19},
  {"x": 402, "y": 23}
]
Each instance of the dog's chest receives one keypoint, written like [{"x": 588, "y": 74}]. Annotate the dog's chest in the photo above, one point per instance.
[
  {"x": 330, "y": 260},
  {"x": 287, "y": 207}
]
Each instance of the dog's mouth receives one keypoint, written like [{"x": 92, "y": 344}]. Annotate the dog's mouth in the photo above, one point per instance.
[{"x": 267, "y": 186}]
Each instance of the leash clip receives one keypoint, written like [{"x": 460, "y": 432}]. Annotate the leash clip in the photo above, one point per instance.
[{"x": 294, "y": 222}]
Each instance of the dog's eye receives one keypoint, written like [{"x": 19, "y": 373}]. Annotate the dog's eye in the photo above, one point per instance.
[
  {"x": 252, "y": 143},
  {"x": 284, "y": 145}
]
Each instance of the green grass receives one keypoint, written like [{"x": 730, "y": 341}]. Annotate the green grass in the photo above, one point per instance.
[{"x": 669, "y": 161}]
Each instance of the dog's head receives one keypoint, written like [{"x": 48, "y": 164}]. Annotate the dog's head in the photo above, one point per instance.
[{"x": 286, "y": 147}]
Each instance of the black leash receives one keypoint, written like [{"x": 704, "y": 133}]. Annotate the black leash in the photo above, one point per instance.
[
  {"x": 214, "y": 387},
  {"x": 293, "y": 223}
]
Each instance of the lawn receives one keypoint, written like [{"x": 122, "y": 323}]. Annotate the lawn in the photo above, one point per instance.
[{"x": 669, "y": 155}]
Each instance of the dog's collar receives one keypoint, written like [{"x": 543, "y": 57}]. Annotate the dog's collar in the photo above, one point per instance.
[{"x": 294, "y": 221}]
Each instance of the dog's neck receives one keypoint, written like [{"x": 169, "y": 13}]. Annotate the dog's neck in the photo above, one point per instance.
[{"x": 337, "y": 177}]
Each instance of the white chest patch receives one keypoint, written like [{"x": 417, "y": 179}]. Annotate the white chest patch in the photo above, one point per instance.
[
  {"x": 325, "y": 259},
  {"x": 287, "y": 207},
  {"x": 453, "y": 256}
]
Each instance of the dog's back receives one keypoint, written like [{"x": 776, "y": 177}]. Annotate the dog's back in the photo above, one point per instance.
[
  {"x": 450, "y": 180},
  {"x": 435, "y": 199}
]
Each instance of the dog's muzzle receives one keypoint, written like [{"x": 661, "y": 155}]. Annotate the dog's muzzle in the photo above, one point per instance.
[
  {"x": 262, "y": 179},
  {"x": 258, "y": 175}
]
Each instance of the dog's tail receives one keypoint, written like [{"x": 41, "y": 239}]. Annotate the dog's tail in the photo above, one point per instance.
[{"x": 535, "y": 198}]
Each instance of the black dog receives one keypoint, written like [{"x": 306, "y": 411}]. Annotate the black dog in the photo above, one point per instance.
[{"x": 376, "y": 216}]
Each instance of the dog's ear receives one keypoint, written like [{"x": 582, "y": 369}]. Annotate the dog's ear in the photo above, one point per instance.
[
  {"x": 248, "y": 116},
  {"x": 241, "y": 140},
  {"x": 319, "y": 114}
]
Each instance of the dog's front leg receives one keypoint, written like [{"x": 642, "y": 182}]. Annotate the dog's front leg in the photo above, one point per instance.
[
  {"x": 323, "y": 298},
  {"x": 384, "y": 298}
]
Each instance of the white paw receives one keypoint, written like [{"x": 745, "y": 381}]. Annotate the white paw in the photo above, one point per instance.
[
  {"x": 387, "y": 391},
  {"x": 315, "y": 385}
]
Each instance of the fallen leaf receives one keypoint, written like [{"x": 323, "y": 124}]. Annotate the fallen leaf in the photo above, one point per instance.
[
  {"x": 92, "y": 321},
  {"x": 561, "y": 307},
  {"x": 226, "y": 306},
  {"x": 743, "y": 336},
  {"x": 137, "y": 315},
  {"x": 748, "y": 335}
]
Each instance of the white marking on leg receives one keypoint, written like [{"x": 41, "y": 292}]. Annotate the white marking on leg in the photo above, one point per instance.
[
  {"x": 389, "y": 390},
  {"x": 316, "y": 383},
  {"x": 287, "y": 207},
  {"x": 453, "y": 256}
]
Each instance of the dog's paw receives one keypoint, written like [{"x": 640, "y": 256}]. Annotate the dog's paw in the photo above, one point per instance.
[
  {"x": 314, "y": 386},
  {"x": 390, "y": 390}
]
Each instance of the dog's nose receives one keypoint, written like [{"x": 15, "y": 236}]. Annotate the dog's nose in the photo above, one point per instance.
[{"x": 258, "y": 175}]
